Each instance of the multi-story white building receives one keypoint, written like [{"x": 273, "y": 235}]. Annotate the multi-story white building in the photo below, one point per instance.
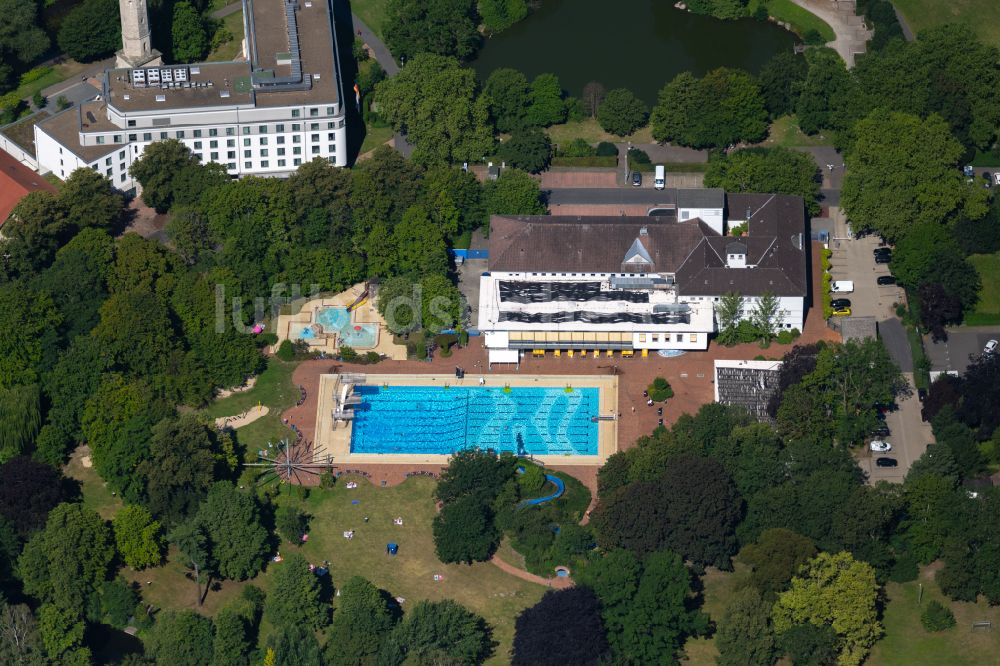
[
  {"x": 628, "y": 284},
  {"x": 266, "y": 115}
]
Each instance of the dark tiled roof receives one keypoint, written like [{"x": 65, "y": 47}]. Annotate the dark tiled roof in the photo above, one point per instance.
[
  {"x": 775, "y": 241},
  {"x": 569, "y": 244}
]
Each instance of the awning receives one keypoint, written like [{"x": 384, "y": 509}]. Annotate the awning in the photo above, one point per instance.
[{"x": 504, "y": 356}]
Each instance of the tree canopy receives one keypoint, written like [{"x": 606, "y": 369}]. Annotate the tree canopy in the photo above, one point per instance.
[
  {"x": 569, "y": 618},
  {"x": 778, "y": 170}
]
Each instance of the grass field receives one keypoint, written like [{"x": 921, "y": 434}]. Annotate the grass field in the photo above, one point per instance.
[
  {"x": 718, "y": 588},
  {"x": 987, "y": 311},
  {"x": 96, "y": 495},
  {"x": 591, "y": 132},
  {"x": 371, "y": 12},
  {"x": 229, "y": 50},
  {"x": 801, "y": 20},
  {"x": 785, "y": 132},
  {"x": 982, "y": 16}
]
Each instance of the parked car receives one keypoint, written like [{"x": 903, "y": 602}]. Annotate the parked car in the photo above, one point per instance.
[
  {"x": 886, "y": 462},
  {"x": 881, "y": 431},
  {"x": 996, "y": 179},
  {"x": 842, "y": 286},
  {"x": 881, "y": 250},
  {"x": 921, "y": 394},
  {"x": 842, "y": 312},
  {"x": 838, "y": 303},
  {"x": 968, "y": 170},
  {"x": 636, "y": 179},
  {"x": 884, "y": 280},
  {"x": 990, "y": 346},
  {"x": 988, "y": 177},
  {"x": 883, "y": 258},
  {"x": 880, "y": 446}
]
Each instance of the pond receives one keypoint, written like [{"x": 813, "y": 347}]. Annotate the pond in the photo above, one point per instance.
[{"x": 636, "y": 44}]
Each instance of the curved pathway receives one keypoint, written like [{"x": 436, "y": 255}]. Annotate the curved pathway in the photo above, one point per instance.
[
  {"x": 555, "y": 583},
  {"x": 378, "y": 47},
  {"x": 852, "y": 36}
]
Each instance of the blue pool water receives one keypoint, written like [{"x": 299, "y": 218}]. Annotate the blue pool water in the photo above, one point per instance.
[
  {"x": 338, "y": 320},
  {"x": 439, "y": 420}
]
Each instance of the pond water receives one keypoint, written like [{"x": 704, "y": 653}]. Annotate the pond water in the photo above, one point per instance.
[{"x": 636, "y": 44}]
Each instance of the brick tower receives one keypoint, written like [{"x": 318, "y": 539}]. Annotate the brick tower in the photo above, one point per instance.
[{"x": 136, "y": 48}]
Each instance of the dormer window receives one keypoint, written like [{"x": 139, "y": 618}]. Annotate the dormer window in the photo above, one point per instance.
[{"x": 736, "y": 255}]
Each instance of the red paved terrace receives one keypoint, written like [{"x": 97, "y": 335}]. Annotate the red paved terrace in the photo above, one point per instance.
[
  {"x": 16, "y": 180},
  {"x": 690, "y": 375}
]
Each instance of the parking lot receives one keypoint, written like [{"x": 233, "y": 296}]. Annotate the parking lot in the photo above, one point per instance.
[
  {"x": 964, "y": 343},
  {"x": 908, "y": 435}
]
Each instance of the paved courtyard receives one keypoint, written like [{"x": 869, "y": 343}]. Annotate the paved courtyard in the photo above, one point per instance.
[{"x": 964, "y": 343}]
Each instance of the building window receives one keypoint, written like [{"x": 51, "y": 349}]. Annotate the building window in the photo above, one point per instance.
[
  {"x": 280, "y": 127},
  {"x": 246, "y": 142},
  {"x": 231, "y": 155},
  {"x": 679, "y": 337},
  {"x": 296, "y": 127},
  {"x": 329, "y": 111},
  {"x": 330, "y": 137},
  {"x": 118, "y": 138},
  {"x": 642, "y": 338},
  {"x": 262, "y": 129},
  {"x": 231, "y": 166},
  {"x": 213, "y": 144},
  {"x": 281, "y": 151},
  {"x": 281, "y": 163},
  {"x": 296, "y": 162},
  {"x": 107, "y": 162},
  {"x": 296, "y": 139},
  {"x": 246, "y": 130},
  {"x": 198, "y": 155},
  {"x": 331, "y": 148},
  {"x": 163, "y": 136},
  {"x": 213, "y": 132},
  {"x": 132, "y": 137},
  {"x": 248, "y": 165},
  {"x": 197, "y": 145},
  {"x": 122, "y": 178},
  {"x": 108, "y": 172},
  {"x": 314, "y": 137},
  {"x": 230, "y": 131},
  {"x": 281, "y": 140},
  {"x": 313, "y": 113},
  {"x": 121, "y": 167},
  {"x": 230, "y": 143},
  {"x": 263, "y": 152},
  {"x": 263, "y": 164},
  {"x": 197, "y": 134},
  {"x": 263, "y": 140},
  {"x": 121, "y": 154},
  {"x": 296, "y": 113},
  {"x": 131, "y": 123},
  {"x": 246, "y": 153},
  {"x": 313, "y": 126},
  {"x": 315, "y": 150},
  {"x": 693, "y": 337},
  {"x": 180, "y": 134},
  {"x": 215, "y": 157},
  {"x": 296, "y": 151},
  {"x": 100, "y": 140}
]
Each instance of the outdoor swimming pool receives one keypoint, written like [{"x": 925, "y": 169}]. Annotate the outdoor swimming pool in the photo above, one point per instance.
[
  {"x": 440, "y": 420},
  {"x": 338, "y": 320}
]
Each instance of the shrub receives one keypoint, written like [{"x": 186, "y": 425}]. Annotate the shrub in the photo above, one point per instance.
[
  {"x": 660, "y": 390},
  {"x": 444, "y": 342},
  {"x": 372, "y": 357},
  {"x": 607, "y": 149},
  {"x": 291, "y": 524},
  {"x": 813, "y": 38},
  {"x": 420, "y": 350},
  {"x": 937, "y": 617},
  {"x": 38, "y": 100},
  {"x": 34, "y": 74},
  {"x": 327, "y": 480},
  {"x": 348, "y": 355},
  {"x": 463, "y": 338},
  {"x": 358, "y": 50},
  {"x": 532, "y": 480},
  {"x": 579, "y": 148},
  {"x": 286, "y": 351},
  {"x": 639, "y": 156},
  {"x": 738, "y": 229},
  {"x": 266, "y": 340},
  {"x": 62, "y": 103}
]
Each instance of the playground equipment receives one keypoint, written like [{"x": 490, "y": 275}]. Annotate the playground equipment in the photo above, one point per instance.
[
  {"x": 391, "y": 548},
  {"x": 360, "y": 300}
]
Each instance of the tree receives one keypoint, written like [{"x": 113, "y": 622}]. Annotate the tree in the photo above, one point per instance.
[
  {"x": 434, "y": 101},
  {"x": 237, "y": 542},
  {"x": 508, "y": 92},
  {"x": 91, "y": 200},
  {"x": 118, "y": 602},
  {"x": 439, "y": 632},
  {"x": 810, "y": 644},
  {"x": 232, "y": 645},
  {"x": 901, "y": 172},
  {"x": 20, "y": 641},
  {"x": 20, "y": 419},
  {"x": 621, "y": 112},
  {"x": 980, "y": 389},
  {"x": 160, "y": 164},
  {"x": 938, "y": 309},
  {"x": 297, "y": 645},
  {"x": 29, "y": 490},
  {"x": 361, "y": 623},
  {"x": 420, "y": 244},
  {"x": 185, "y": 446},
  {"x": 62, "y": 631},
  {"x": 291, "y": 523},
  {"x": 723, "y": 108},
  {"x": 527, "y": 149},
  {"x": 729, "y": 312},
  {"x": 66, "y": 563},
  {"x": 767, "y": 316},
  {"x": 775, "y": 558},
  {"x": 191, "y": 540},
  {"x": 825, "y": 96},
  {"x": 180, "y": 637},
  {"x": 513, "y": 193},
  {"x": 464, "y": 531},
  {"x": 139, "y": 538},
  {"x": 835, "y": 590},
  {"x": 439, "y": 27},
  {"x": 477, "y": 472},
  {"x": 745, "y": 636},
  {"x": 498, "y": 15},
  {"x": 780, "y": 80},
  {"x": 547, "y": 106},
  {"x": 693, "y": 509},
  {"x": 190, "y": 42},
  {"x": 570, "y": 618},
  {"x": 937, "y": 617},
  {"x": 131, "y": 316},
  {"x": 593, "y": 95},
  {"x": 778, "y": 170},
  {"x": 21, "y": 37},
  {"x": 91, "y": 31},
  {"x": 295, "y": 598},
  {"x": 30, "y": 323}
]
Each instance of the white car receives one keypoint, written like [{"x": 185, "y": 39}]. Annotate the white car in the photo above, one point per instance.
[
  {"x": 878, "y": 446},
  {"x": 996, "y": 178},
  {"x": 990, "y": 346}
]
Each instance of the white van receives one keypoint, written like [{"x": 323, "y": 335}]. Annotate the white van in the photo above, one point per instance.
[
  {"x": 841, "y": 287},
  {"x": 661, "y": 180}
]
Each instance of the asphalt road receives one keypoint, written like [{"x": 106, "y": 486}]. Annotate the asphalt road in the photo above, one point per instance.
[{"x": 963, "y": 343}]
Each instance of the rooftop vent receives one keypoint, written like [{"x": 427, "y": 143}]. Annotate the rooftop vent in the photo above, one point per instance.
[
  {"x": 161, "y": 98},
  {"x": 127, "y": 97},
  {"x": 643, "y": 231}
]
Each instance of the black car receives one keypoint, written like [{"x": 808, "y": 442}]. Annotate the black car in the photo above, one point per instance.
[
  {"x": 838, "y": 303},
  {"x": 883, "y": 258},
  {"x": 882, "y": 250},
  {"x": 886, "y": 462},
  {"x": 921, "y": 394},
  {"x": 881, "y": 431},
  {"x": 883, "y": 280},
  {"x": 636, "y": 179}
]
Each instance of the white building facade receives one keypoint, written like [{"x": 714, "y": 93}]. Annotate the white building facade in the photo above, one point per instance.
[{"x": 265, "y": 116}]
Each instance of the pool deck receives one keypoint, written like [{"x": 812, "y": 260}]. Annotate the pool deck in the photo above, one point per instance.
[
  {"x": 330, "y": 343},
  {"x": 333, "y": 437}
]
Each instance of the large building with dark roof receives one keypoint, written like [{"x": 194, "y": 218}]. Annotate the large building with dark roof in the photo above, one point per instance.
[
  {"x": 279, "y": 105},
  {"x": 605, "y": 283}
]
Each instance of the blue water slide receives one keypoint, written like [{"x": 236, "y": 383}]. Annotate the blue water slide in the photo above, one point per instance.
[{"x": 556, "y": 481}]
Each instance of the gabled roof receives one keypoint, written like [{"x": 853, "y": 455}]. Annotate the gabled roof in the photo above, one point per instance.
[
  {"x": 637, "y": 253},
  {"x": 17, "y": 180}
]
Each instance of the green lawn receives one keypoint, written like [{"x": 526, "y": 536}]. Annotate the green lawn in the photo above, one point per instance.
[
  {"x": 67, "y": 70},
  {"x": 906, "y": 642},
  {"x": 785, "y": 132},
  {"x": 982, "y": 16},
  {"x": 801, "y": 20},
  {"x": 987, "y": 311},
  {"x": 96, "y": 495},
  {"x": 375, "y": 137},
  {"x": 719, "y": 587},
  {"x": 371, "y": 12},
  {"x": 274, "y": 388},
  {"x": 591, "y": 132},
  {"x": 229, "y": 50}
]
